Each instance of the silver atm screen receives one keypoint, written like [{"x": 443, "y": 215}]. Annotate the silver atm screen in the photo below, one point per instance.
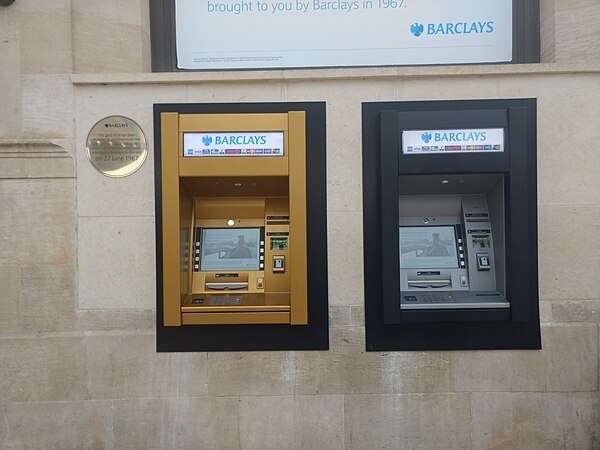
[
  {"x": 428, "y": 248},
  {"x": 230, "y": 249}
]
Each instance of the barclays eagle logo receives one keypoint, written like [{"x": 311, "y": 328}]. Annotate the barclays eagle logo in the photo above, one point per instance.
[
  {"x": 416, "y": 29},
  {"x": 207, "y": 140},
  {"x": 426, "y": 137}
]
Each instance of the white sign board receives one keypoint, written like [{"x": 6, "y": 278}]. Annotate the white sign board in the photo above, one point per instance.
[
  {"x": 233, "y": 144},
  {"x": 415, "y": 142},
  {"x": 252, "y": 34}
]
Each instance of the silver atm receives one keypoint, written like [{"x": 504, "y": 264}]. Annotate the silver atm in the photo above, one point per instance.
[
  {"x": 451, "y": 242},
  {"x": 450, "y": 225}
]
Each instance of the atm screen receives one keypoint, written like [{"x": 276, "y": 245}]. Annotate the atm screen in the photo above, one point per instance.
[
  {"x": 230, "y": 249},
  {"x": 428, "y": 247}
]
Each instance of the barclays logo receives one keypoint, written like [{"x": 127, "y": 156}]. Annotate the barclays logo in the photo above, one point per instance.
[
  {"x": 452, "y": 28},
  {"x": 426, "y": 137},
  {"x": 207, "y": 140},
  {"x": 416, "y": 29}
]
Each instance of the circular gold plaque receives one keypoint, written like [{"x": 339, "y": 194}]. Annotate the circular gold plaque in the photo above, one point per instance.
[{"x": 116, "y": 146}]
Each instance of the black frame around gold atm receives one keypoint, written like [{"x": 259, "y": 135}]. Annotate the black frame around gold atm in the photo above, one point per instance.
[{"x": 267, "y": 194}]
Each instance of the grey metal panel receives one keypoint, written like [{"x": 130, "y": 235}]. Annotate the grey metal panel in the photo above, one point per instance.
[
  {"x": 455, "y": 184},
  {"x": 162, "y": 35},
  {"x": 526, "y": 31},
  {"x": 496, "y": 202}
]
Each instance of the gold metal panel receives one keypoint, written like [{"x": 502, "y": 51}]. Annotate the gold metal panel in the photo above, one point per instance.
[
  {"x": 237, "y": 186},
  {"x": 297, "y": 244},
  {"x": 200, "y": 279},
  {"x": 170, "y": 219},
  {"x": 277, "y": 206},
  {"x": 279, "y": 301},
  {"x": 236, "y": 318},
  {"x": 240, "y": 222},
  {"x": 243, "y": 166},
  {"x": 186, "y": 206},
  {"x": 225, "y": 208},
  {"x": 276, "y": 282},
  {"x": 191, "y": 253},
  {"x": 233, "y": 122},
  {"x": 209, "y": 309}
]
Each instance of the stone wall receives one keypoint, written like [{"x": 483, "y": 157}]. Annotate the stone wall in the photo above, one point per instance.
[
  {"x": 569, "y": 30},
  {"x": 78, "y": 367}
]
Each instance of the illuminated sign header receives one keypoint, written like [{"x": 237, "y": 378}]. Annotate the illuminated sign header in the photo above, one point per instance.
[
  {"x": 233, "y": 144},
  {"x": 453, "y": 141}
]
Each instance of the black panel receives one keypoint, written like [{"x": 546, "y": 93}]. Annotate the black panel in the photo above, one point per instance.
[
  {"x": 519, "y": 186},
  {"x": 526, "y": 31},
  {"x": 389, "y": 215},
  {"x": 389, "y": 328},
  {"x": 315, "y": 335},
  {"x": 162, "y": 35}
]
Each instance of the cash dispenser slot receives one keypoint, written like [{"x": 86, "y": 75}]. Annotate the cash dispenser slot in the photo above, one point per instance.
[
  {"x": 431, "y": 284},
  {"x": 429, "y": 279},
  {"x": 222, "y": 286}
]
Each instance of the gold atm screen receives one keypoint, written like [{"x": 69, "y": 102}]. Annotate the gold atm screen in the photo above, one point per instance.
[{"x": 224, "y": 249}]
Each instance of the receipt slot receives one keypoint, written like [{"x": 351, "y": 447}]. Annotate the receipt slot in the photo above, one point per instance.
[
  {"x": 233, "y": 235},
  {"x": 450, "y": 225}
]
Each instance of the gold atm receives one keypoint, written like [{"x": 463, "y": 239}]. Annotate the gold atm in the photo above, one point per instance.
[{"x": 234, "y": 223}]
